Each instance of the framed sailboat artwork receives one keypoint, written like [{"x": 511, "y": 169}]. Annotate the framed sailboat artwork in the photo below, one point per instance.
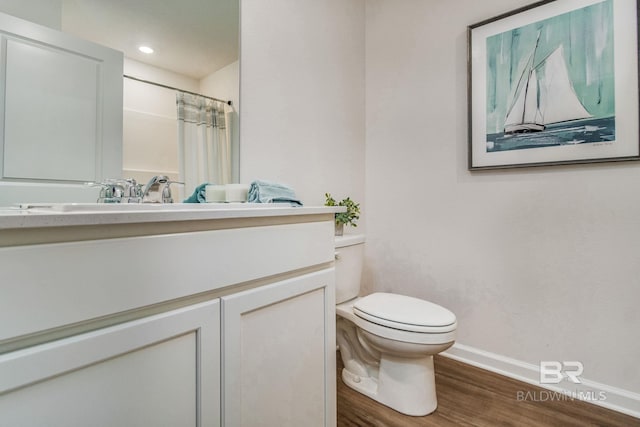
[{"x": 555, "y": 82}]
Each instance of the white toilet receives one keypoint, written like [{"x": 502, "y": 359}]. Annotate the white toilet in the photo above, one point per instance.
[{"x": 387, "y": 341}]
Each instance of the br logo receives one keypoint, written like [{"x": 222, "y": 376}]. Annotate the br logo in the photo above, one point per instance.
[{"x": 552, "y": 372}]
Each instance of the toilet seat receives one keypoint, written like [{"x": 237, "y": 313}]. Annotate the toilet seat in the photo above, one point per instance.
[
  {"x": 405, "y": 313},
  {"x": 347, "y": 311}
]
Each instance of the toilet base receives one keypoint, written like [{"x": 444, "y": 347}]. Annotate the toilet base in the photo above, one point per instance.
[{"x": 405, "y": 385}]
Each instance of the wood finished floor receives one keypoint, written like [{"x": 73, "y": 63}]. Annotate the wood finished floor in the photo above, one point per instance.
[{"x": 469, "y": 396}]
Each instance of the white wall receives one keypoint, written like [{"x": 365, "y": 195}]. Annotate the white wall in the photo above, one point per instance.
[
  {"x": 43, "y": 12},
  {"x": 223, "y": 84},
  {"x": 149, "y": 122},
  {"x": 539, "y": 263},
  {"x": 302, "y": 96}
]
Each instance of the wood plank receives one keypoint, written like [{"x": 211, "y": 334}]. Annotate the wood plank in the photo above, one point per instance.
[{"x": 470, "y": 396}]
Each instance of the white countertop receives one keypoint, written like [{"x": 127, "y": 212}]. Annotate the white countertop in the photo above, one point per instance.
[{"x": 65, "y": 215}]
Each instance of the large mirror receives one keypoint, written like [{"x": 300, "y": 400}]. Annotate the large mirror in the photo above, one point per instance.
[
  {"x": 195, "y": 49},
  {"x": 195, "y": 45}
]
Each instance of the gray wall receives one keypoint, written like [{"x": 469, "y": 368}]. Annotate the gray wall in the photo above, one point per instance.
[
  {"x": 539, "y": 263},
  {"x": 43, "y": 12},
  {"x": 302, "y": 96}
]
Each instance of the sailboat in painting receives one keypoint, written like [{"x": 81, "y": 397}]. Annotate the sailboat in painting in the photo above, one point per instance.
[
  {"x": 544, "y": 95},
  {"x": 545, "y": 110},
  {"x": 551, "y": 83}
]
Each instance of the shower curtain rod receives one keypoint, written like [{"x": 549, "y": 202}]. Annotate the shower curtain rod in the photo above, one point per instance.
[{"x": 175, "y": 88}]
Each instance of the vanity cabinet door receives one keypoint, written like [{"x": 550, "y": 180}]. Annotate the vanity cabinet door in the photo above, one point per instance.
[
  {"x": 278, "y": 353},
  {"x": 162, "y": 370}
]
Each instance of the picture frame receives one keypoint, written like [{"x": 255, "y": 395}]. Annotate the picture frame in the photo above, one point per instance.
[{"x": 554, "y": 83}]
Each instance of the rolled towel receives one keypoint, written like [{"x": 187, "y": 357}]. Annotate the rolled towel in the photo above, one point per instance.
[
  {"x": 271, "y": 192},
  {"x": 199, "y": 194}
]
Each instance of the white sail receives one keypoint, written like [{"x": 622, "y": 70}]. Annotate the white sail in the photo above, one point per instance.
[
  {"x": 545, "y": 96},
  {"x": 531, "y": 110},
  {"x": 558, "y": 99},
  {"x": 524, "y": 114},
  {"x": 516, "y": 113}
]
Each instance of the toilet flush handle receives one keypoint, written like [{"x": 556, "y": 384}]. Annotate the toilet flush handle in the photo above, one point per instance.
[{"x": 337, "y": 255}]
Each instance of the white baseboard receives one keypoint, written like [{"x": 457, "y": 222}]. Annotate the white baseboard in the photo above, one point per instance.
[{"x": 613, "y": 398}]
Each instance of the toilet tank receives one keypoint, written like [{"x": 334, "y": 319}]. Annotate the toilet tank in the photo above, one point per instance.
[{"x": 349, "y": 260}]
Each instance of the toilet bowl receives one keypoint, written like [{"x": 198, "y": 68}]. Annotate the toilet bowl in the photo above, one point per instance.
[{"x": 387, "y": 341}]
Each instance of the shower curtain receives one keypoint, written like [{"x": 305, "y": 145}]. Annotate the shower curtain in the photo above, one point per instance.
[{"x": 204, "y": 147}]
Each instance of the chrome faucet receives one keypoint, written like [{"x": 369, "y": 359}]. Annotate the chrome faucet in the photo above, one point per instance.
[
  {"x": 118, "y": 191},
  {"x": 111, "y": 190},
  {"x": 127, "y": 190},
  {"x": 132, "y": 191},
  {"x": 158, "y": 190}
]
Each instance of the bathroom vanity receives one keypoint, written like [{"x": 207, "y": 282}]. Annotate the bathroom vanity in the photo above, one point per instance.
[{"x": 177, "y": 316}]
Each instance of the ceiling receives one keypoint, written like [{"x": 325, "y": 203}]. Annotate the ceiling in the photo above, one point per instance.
[{"x": 190, "y": 37}]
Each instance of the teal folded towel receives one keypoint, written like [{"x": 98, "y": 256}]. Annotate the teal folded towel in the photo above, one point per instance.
[
  {"x": 271, "y": 192},
  {"x": 199, "y": 194}
]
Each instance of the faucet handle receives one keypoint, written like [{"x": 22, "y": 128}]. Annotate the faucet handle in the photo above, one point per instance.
[
  {"x": 166, "y": 191},
  {"x": 158, "y": 190},
  {"x": 118, "y": 190},
  {"x": 132, "y": 190},
  {"x": 111, "y": 190}
]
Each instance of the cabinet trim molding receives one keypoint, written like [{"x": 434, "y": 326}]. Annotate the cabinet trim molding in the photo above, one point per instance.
[
  {"x": 235, "y": 306},
  {"x": 32, "y": 365}
]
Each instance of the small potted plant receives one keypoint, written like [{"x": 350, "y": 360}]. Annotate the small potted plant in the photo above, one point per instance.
[{"x": 349, "y": 217}]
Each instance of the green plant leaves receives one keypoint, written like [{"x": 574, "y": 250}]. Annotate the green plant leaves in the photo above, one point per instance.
[{"x": 350, "y": 216}]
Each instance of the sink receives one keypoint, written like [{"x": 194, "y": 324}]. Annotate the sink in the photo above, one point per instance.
[{"x": 139, "y": 207}]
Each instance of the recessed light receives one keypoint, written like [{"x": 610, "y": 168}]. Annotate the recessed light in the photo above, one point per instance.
[{"x": 145, "y": 49}]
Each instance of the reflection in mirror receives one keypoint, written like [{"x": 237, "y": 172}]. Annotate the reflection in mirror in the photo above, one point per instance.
[{"x": 195, "y": 48}]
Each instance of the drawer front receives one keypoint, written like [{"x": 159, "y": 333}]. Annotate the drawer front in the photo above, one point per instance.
[{"x": 52, "y": 285}]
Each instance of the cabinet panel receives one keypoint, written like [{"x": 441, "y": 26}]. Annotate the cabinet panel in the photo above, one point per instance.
[
  {"x": 35, "y": 299},
  {"x": 51, "y": 114},
  {"x": 160, "y": 371},
  {"x": 60, "y": 113},
  {"x": 279, "y": 354}
]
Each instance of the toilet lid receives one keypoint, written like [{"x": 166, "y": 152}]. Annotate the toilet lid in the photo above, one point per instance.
[{"x": 405, "y": 313}]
